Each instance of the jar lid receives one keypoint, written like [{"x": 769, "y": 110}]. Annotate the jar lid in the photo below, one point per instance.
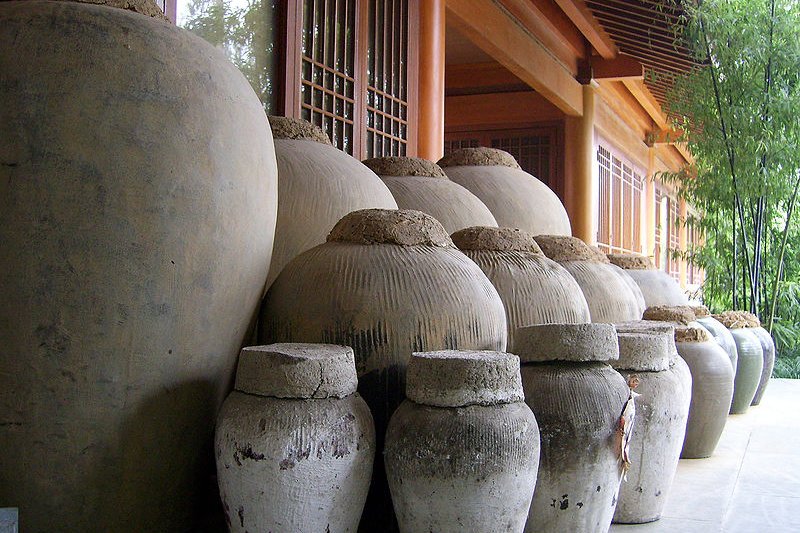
[
  {"x": 405, "y": 166},
  {"x": 454, "y": 378},
  {"x": 478, "y": 157},
  {"x": 297, "y": 370},
  {"x": 495, "y": 240},
  {"x": 646, "y": 326},
  {"x": 738, "y": 319},
  {"x": 631, "y": 261},
  {"x": 643, "y": 352},
  {"x": 296, "y": 129},
  {"x": 567, "y": 342},
  {"x": 562, "y": 248},
  {"x": 692, "y": 334},
  {"x": 679, "y": 314},
  {"x": 144, "y": 7},
  {"x": 405, "y": 227}
]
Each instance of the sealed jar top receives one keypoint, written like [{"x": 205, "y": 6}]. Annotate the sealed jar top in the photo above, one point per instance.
[
  {"x": 643, "y": 351},
  {"x": 405, "y": 227},
  {"x": 567, "y": 342},
  {"x": 646, "y": 326},
  {"x": 701, "y": 311},
  {"x": 405, "y": 166},
  {"x": 478, "y": 157},
  {"x": 296, "y": 129},
  {"x": 738, "y": 319},
  {"x": 453, "y": 378},
  {"x": 296, "y": 370},
  {"x": 692, "y": 334},
  {"x": 562, "y": 248},
  {"x": 495, "y": 240},
  {"x": 679, "y": 314},
  {"x": 143, "y": 7},
  {"x": 631, "y": 261}
]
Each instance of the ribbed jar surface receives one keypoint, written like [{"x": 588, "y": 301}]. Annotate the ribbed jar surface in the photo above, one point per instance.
[
  {"x": 609, "y": 297},
  {"x": 577, "y": 406},
  {"x": 318, "y": 185},
  {"x": 658, "y": 288},
  {"x": 768, "y": 349},
  {"x": 463, "y": 468},
  {"x": 722, "y": 336},
  {"x": 534, "y": 289},
  {"x": 446, "y": 201},
  {"x": 749, "y": 367}
]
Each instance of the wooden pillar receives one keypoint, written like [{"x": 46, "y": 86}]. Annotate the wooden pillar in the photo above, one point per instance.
[
  {"x": 579, "y": 189},
  {"x": 649, "y": 226},
  {"x": 430, "y": 98},
  {"x": 682, "y": 240}
]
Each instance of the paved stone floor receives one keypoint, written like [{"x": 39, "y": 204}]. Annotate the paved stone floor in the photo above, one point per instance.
[{"x": 752, "y": 482}]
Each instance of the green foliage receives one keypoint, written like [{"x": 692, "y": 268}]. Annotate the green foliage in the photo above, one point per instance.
[{"x": 739, "y": 114}]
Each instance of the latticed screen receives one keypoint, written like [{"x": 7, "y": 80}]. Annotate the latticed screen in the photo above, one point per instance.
[
  {"x": 533, "y": 153},
  {"x": 658, "y": 253},
  {"x": 673, "y": 265},
  {"x": 387, "y": 79},
  {"x": 619, "y": 205},
  {"x": 695, "y": 274},
  {"x": 451, "y": 145},
  {"x": 328, "y": 88}
]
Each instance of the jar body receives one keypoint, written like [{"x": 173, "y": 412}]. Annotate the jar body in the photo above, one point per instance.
[
  {"x": 768, "y": 349},
  {"x": 658, "y": 288},
  {"x": 140, "y": 208},
  {"x": 722, "y": 336},
  {"x": 609, "y": 297},
  {"x": 712, "y": 389},
  {"x": 749, "y": 368},
  {"x": 294, "y": 464},
  {"x": 577, "y": 406},
  {"x": 462, "y": 468},
  {"x": 659, "y": 428}
]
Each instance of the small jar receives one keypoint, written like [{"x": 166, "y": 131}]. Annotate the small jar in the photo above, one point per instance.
[
  {"x": 662, "y": 409},
  {"x": 578, "y": 400},
  {"x": 294, "y": 441},
  {"x": 462, "y": 452}
]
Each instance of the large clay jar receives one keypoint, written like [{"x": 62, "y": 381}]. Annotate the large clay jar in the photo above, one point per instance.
[
  {"x": 609, "y": 296},
  {"x": 515, "y": 198},
  {"x": 578, "y": 401},
  {"x": 534, "y": 289},
  {"x": 317, "y": 185},
  {"x": 137, "y": 213},
  {"x": 719, "y": 332},
  {"x": 294, "y": 441},
  {"x": 637, "y": 292},
  {"x": 462, "y": 452},
  {"x": 422, "y": 185},
  {"x": 768, "y": 348},
  {"x": 751, "y": 360},
  {"x": 712, "y": 389},
  {"x": 658, "y": 287},
  {"x": 662, "y": 408},
  {"x": 387, "y": 283}
]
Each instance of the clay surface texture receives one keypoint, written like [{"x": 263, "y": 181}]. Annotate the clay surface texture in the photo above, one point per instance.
[
  {"x": 405, "y": 227},
  {"x": 678, "y": 314},
  {"x": 643, "y": 352},
  {"x": 631, "y": 261},
  {"x": 722, "y": 336},
  {"x": 404, "y": 166},
  {"x": 749, "y": 367},
  {"x": 567, "y": 342}
]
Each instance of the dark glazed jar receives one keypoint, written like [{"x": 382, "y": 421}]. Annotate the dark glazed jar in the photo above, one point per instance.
[
  {"x": 462, "y": 452},
  {"x": 578, "y": 400},
  {"x": 295, "y": 441}
]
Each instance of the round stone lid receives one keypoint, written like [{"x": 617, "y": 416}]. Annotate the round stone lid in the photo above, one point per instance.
[
  {"x": 692, "y": 334},
  {"x": 643, "y": 352},
  {"x": 645, "y": 326},
  {"x": 562, "y": 248},
  {"x": 296, "y": 370},
  {"x": 567, "y": 342},
  {"x": 143, "y": 7},
  {"x": 296, "y": 129},
  {"x": 405, "y": 166},
  {"x": 631, "y": 261},
  {"x": 738, "y": 319},
  {"x": 453, "y": 378},
  {"x": 405, "y": 227},
  {"x": 495, "y": 240},
  {"x": 679, "y": 314},
  {"x": 478, "y": 157}
]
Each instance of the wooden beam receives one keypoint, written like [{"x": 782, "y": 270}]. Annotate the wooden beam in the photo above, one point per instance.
[
  {"x": 459, "y": 78},
  {"x": 664, "y": 136},
  {"x": 622, "y": 67},
  {"x": 647, "y": 101},
  {"x": 582, "y": 17},
  {"x": 497, "y": 33},
  {"x": 500, "y": 110}
]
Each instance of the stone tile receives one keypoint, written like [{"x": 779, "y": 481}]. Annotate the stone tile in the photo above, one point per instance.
[
  {"x": 774, "y": 439},
  {"x": 762, "y": 513},
  {"x": 770, "y": 474},
  {"x": 669, "y": 525}
]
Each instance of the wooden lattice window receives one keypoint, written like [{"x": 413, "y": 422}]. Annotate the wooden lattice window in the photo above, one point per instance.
[
  {"x": 660, "y": 225},
  {"x": 673, "y": 229},
  {"x": 619, "y": 204},
  {"x": 451, "y": 145}
]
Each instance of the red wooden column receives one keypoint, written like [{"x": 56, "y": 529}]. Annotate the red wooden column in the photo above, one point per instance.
[{"x": 430, "y": 98}]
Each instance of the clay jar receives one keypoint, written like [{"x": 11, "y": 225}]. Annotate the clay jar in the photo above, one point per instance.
[
  {"x": 743, "y": 319},
  {"x": 658, "y": 287},
  {"x": 515, "y": 198},
  {"x": 387, "y": 283},
  {"x": 317, "y": 185},
  {"x": 578, "y": 400},
  {"x": 719, "y": 332},
  {"x": 712, "y": 389},
  {"x": 463, "y": 451},
  {"x": 662, "y": 408},
  {"x": 751, "y": 360},
  {"x": 137, "y": 212},
  {"x": 608, "y": 295},
  {"x": 534, "y": 289},
  {"x": 294, "y": 441},
  {"x": 422, "y": 185}
]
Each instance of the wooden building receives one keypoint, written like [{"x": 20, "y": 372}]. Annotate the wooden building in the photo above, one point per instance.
[{"x": 572, "y": 88}]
